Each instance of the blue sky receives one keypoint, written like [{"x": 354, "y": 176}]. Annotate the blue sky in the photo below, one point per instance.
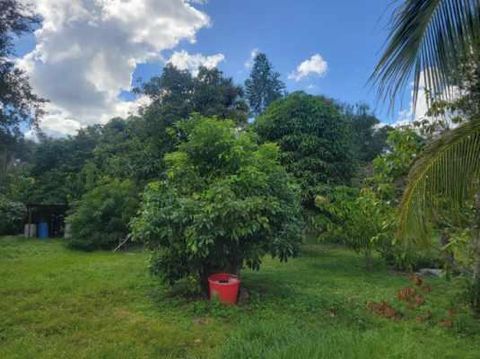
[{"x": 348, "y": 35}]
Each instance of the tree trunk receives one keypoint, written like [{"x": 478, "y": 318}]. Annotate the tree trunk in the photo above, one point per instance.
[
  {"x": 4, "y": 164},
  {"x": 448, "y": 258},
  {"x": 476, "y": 253},
  {"x": 368, "y": 259},
  {"x": 203, "y": 276}
]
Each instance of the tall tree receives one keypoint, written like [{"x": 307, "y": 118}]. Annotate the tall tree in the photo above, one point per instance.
[
  {"x": 216, "y": 95},
  {"x": 57, "y": 166},
  {"x": 429, "y": 41},
  {"x": 433, "y": 38},
  {"x": 170, "y": 94},
  {"x": 314, "y": 139},
  {"x": 368, "y": 136},
  {"x": 264, "y": 85},
  {"x": 225, "y": 204},
  {"x": 18, "y": 103},
  {"x": 176, "y": 94}
]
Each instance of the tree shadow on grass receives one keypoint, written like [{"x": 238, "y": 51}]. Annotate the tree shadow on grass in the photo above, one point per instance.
[
  {"x": 267, "y": 286},
  {"x": 341, "y": 262}
]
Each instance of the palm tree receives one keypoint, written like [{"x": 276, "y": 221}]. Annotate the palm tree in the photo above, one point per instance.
[
  {"x": 444, "y": 177},
  {"x": 429, "y": 42},
  {"x": 429, "y": 39}
]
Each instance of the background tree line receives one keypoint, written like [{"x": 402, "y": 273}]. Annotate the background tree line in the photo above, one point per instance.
[
  {"x": 209, "y": 175},
  {"x": 209, "y": 150},
  {"x": 322, "y": 142}
]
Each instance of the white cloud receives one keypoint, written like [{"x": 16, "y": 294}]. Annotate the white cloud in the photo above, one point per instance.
[
  {"x": 182, "y": 60},
  {"x": 414, "y": 112},
  {"x": 249, "y": 63},
  {"x": 59, "y": 122},
  {"x": 418, "y": 111},
  {"x": 315, "y": 65},
  {"x": 87, "y": 50}
]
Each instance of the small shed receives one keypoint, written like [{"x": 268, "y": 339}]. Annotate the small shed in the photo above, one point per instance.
[{"x": 45, "y": 220}]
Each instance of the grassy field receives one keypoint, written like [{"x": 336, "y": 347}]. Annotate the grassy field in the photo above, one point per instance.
[{"x": 58, "y": 303}]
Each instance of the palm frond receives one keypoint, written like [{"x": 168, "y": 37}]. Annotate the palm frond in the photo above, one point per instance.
[
  {"x": 429, "y": 39},
  {"x": 446, "y": 174}
]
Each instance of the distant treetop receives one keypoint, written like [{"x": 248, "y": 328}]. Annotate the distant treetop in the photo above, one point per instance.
[{"x": 263, "y": 86}]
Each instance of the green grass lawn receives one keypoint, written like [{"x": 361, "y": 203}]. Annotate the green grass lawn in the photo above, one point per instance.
[{"x": 58, "y": 303}]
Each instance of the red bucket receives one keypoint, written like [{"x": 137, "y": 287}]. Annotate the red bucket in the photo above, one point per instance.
[{"x": 225, "y": 287}]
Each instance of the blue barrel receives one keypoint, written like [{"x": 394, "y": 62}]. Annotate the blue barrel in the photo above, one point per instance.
[{"x": 43, "y": 230}]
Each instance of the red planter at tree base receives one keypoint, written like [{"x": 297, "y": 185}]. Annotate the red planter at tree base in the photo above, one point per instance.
[{"x": 225, "y": 287}]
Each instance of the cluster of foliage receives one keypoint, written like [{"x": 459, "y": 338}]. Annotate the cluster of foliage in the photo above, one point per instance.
[
  {"x": 314, "y": 140},
  {"x": 12, "y": 215},
  {"x": 241, "y": 190},
  {"x": 391, "y": 168},
  {"x": 100, "y": 218},
  {"x": 364, "y": 218},
  {"x": 57, "y": 167},
  {"x": 356, "y": 218},
  {"x": 19, "y": 103},
  {"x": 446, "y": 176},
  {"x": 177, "y": 93},
  {"x": 225, "y": 203},
  {"x": 264, "y": 85},
  {"x": 368, "y": 136}
]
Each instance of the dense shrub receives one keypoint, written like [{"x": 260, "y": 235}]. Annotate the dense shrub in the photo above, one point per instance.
[
  {"x": 225, "y": 204},
  {"x": 313, "y": 137},
  {"x": 360, "y": 220},
  {"x": 12, "y": 215},
  {"x": 101, "y": 217},
  {"x": 391, "y": 168},
  {"x": 364, "y": 219}
]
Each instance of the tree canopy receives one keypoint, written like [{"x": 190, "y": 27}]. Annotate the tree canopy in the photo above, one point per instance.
[
  {"x": 176, "y": 94},
  {"x": 264, "y": 85},
  {"x": 314, "y": 139},
  {"x": 18, "y": 102},
  {"x": 226, "y": 202}
]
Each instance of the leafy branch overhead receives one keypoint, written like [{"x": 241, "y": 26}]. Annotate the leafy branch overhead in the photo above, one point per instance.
[
  {"x": 448, "y": 169},
  {"x": 428, "y": 41}
]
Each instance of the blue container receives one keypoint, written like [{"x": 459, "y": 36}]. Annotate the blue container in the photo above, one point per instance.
[{"x": 43, "y": 230}]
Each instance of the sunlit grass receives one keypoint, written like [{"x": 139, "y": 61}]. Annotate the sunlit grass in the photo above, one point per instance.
[{"x": 55, "y": 303}]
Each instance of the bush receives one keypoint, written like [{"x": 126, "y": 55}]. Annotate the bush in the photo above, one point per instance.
[
  {"x": 333, "y": 205},
  {"x": 225, "y": 204},
  {"x": 363, "y": 222},
  {"x": 12, "y": 215},
  {"x": 101, "y": 217},
  {"x": 314, "y": 139}
]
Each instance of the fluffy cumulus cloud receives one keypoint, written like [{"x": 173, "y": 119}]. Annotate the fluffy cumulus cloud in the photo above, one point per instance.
[
  {"x": 315, "y": 65},
  {"x": 87, "y": 50},
  {"x": 182, "y": 60}
]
